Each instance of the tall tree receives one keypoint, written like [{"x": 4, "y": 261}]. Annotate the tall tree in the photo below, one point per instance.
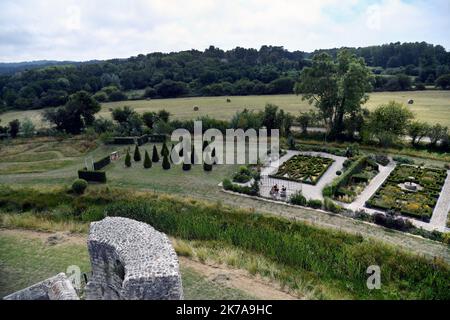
[
  {"x": 14, "y": 127},
  {"x": 337, "y": 88},
  {"x": 76, "y": 114},
  {"x": 388, "y": 122}
]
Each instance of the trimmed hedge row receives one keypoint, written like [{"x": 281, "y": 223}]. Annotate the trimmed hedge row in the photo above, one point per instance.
[
  {"x": 95, "y": 176},
  {"x": 139, "y": 140},
  {"x": 124, "y": 140},
  {"x": 343, "y": 179},
  {"x": 102, "y": 163}
]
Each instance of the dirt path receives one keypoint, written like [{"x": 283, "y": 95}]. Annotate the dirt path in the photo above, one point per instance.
[
  {"x": 50, "y": 238},
  {"x": 221, "y": 275},
  {"x": 238, "y": 279}
]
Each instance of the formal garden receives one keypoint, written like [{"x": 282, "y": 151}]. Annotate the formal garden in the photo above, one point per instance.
[
  {"x": 357, "y": 179},
  {"x": 411, "y": 191},
  {"x": 304, "y": 169}
]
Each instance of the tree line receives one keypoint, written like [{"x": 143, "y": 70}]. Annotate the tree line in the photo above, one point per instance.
[{"x": 214, "y": 72}]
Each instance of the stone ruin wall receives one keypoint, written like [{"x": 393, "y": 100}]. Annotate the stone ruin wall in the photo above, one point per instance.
[
  {"x": 58, "y": 287},
  {"x": 130, "y": 261}
]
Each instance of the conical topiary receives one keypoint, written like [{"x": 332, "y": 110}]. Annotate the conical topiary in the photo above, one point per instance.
[
  {"x": 207, "y": 166},
  {"x": 155, "y": 156},
  {"x": 128, "y": 159},
  {"x": 147, "y": 161},
  {"x": 137, "y": 154},
  {"x": 213, "y": 155},
  {"x": 164, "y": 150},
  {"x": 166, "y": 163}
]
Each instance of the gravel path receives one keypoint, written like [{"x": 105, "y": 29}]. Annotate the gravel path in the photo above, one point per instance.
[
  {"x": 375, "y": 183},
  {"x": 439, "y": 218}
]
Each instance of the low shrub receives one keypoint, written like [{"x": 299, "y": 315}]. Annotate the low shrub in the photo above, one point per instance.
[
  {"x": 243, "y": 175},
  {"x": 253, "y": 190},
  {"x": 331, "y": 206},
  {"x": 382, "y": 159},
  {"x": 93, "y": 213},
  {"x": 403, "y": 160},
  {"x": 79, "y": 186},
  {"x": 315, "y": 204},
  {"x": 298, "y": 199}
]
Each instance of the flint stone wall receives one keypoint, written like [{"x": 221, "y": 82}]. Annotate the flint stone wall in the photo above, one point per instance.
[
  {"x": 131, "y": 261},
  {"x": 58, "y": 287}
]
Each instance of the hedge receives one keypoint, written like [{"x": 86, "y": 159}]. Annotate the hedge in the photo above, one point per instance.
[
  {"x": 95, "y": 176},
  {"x": 343, "y": 179},
  {"x": 142, "y": 140},
  {"x": 102, "y": 163},
  {"x": 156, "y": 137},
  {"x": 124, "y": 140}
]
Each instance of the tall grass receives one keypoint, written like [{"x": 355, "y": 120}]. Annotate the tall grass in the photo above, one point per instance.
[{"x": 336, "y": 258}]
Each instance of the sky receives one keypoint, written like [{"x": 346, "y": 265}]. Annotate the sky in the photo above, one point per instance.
[{"x": 81, "y": 30}]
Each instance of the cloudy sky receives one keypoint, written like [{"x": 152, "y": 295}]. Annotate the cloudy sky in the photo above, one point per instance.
[{"x": 100, "y": 29}]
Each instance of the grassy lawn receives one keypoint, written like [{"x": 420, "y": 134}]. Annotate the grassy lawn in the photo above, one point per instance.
[
  {"x": 432, "y": 106},
  {"x": 25, "y": 261}
]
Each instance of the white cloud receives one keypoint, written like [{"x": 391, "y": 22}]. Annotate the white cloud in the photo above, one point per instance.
[{"x": 82, "y": 30}]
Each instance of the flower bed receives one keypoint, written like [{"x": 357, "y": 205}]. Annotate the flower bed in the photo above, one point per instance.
[
  {"x": 305, "y": 169},
  {"x": 417, "y": 204},
  {"x": 359, "y": 174}
]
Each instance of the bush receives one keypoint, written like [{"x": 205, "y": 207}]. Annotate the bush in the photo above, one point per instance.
[
  {"x": 316, "y": 204},
  {"x": 166, "y": 163},
  {"x": 382, "y": 159},
  {"x": 128, "y": 160},
  {"x": 298, "y": 199},
  {"x": 243, "y": 175},
  {"x": 403, "y": 160},
  {"x": 92, "y": 214},
  {"x": 155, "y": 156},
  {"x": 79, "y": 186},
  {"x": 338, "y": 173},
  {"x": 329, "y": 205},
  {"x": 137, "y": 154},
  {"x": 253, "y": 190},
  {"x": 147, "y": 161}
]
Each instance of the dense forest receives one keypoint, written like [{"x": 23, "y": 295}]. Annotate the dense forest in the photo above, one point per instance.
[{"x": 212, "y": 72}]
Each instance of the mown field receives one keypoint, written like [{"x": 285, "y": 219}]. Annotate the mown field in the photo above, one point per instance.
[{"x": 432, "y": 106}]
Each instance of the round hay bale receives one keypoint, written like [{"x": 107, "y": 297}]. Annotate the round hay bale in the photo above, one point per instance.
[
  {"x": 196, "y": 108},
  {"x": 410, "y": 101}
]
